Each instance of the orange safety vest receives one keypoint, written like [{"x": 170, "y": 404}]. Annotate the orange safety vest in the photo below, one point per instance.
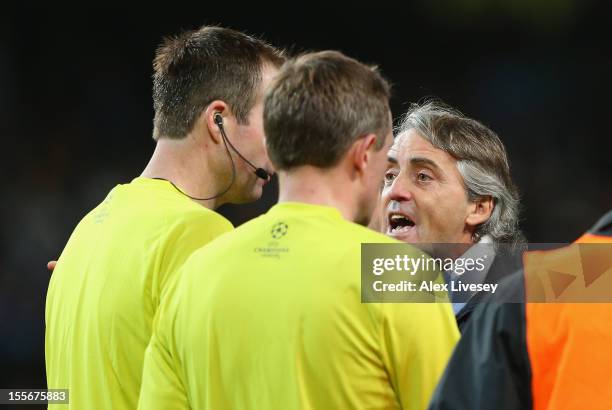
[{"x": 570, "y": 344}]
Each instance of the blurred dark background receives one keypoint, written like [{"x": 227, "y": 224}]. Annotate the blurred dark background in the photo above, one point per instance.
[{"x": 76, "y": 112}]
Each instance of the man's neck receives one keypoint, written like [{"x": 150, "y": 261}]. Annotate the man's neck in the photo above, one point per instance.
[
  {"x": 315, "y": 186},
  {"x": 185, "y": 166}
]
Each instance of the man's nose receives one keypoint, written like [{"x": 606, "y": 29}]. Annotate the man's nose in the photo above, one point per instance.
[{"x": 399, "y": 190}]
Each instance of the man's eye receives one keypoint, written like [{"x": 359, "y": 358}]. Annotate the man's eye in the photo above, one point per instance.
[
  {"x": 389, "y": 177},
  {"x": 423, "y": 177}
]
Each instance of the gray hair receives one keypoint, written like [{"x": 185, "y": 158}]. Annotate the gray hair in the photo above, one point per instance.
[{"x": 482, "y": 162}]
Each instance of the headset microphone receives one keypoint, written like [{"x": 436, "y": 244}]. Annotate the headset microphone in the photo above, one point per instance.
[{"x": 260, "y": 172}]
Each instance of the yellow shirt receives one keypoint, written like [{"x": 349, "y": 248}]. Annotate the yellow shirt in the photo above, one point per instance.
[
  {"x": 269, "y": 316},
  {"x": 106, "y": 289}
]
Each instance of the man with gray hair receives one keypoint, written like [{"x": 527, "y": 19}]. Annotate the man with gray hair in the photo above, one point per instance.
[{"x": 448, "y": 181}]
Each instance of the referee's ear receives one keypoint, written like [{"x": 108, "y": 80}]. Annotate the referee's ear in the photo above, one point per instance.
[
  {"x": 208, "y": 117},
  {"x": 361, "y": 152}
]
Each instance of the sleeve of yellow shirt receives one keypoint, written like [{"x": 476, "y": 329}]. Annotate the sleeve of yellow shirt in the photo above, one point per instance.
[
  {"x": 161, "y": 385},
  {"x": 187, "y": 235},
  {"x": 417, "y": 340}
]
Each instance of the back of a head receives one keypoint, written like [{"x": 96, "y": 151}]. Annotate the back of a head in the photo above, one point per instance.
[
  {"x": 197, "y": 67},
  {"x": 318, "y": 105},
  {"x": 481, "y": 160}
]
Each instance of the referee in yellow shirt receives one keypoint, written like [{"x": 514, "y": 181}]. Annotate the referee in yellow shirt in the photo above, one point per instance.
[
  {"x": 208, "y": 98},
  {"x": 269, "y": 316}
]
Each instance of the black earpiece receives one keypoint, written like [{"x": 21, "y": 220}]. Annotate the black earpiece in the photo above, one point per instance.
[{"x": 218, "y": 119}]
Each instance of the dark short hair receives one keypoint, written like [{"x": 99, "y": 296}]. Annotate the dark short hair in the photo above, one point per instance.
[
  {"x": 319, "y": 104},
  {"x": 197, "y": 67}
]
